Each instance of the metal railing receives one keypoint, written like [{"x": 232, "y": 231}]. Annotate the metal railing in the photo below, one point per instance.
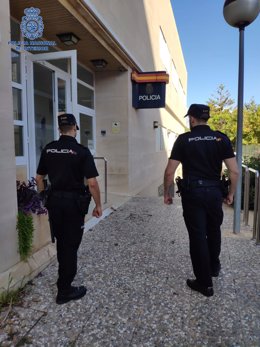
[
  {"x": 256, "y": 214},
  {"x": 105, "y": 175}
]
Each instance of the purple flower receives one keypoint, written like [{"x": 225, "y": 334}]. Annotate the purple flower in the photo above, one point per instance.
[{"x": 28, "y": 199}]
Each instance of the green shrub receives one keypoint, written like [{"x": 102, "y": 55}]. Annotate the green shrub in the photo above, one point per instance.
[{"x": 25, "y": 233}]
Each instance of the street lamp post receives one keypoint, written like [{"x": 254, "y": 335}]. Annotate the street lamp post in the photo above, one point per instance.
[{"x": 239, "y": 14}]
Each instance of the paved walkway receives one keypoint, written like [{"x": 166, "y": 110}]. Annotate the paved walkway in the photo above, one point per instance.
[{"x": 135, "y": 263}]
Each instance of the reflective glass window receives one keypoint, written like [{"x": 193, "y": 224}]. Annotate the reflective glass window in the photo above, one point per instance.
[
  {"x": 15, "y": 31},
  {"x": 16, "y": 66},
  {"x": 86, "y": 130},
  {"x": 85, "y": 96},
  {"x": 85, "y": 75},
  {"x": 18, "y": 140},
  {"x": 17, "y": 104}
]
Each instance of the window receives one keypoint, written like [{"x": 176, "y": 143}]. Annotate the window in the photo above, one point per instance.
[
  {"x": 161, "y": 139},
  {"x": 15, "y": 31},
  {"x": 164, "y": 52},
  {"x": 18, "y": 139},
  {"x": 85, "y": 96},
  {"x": 16, "y": 66},
  {"x": 18, "y": 116},
  {"x": 86, "y": 131},
  {"x": 85, "y": 75},
  {"x": 86, "y": 107},
  {"x": 18, "y": 102},
  {"x": 63, "y": 64},
  {"x": 43, "y": 106}
]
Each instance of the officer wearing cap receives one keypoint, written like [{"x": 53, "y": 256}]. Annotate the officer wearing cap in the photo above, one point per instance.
[
  {"x": 201, "y": 153},
  {"x": 67, "y": 164}
]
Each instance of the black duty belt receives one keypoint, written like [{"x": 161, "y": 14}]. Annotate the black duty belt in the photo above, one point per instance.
[
  {"x": 64, "y": 194},
  {"x": 202, "y": 183}
]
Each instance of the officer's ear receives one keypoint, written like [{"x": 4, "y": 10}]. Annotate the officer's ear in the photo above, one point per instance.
[{"x": 192, "y": 119}]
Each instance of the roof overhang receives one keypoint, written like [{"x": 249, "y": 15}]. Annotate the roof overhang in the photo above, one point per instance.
[{"x": 96, "y": 41}]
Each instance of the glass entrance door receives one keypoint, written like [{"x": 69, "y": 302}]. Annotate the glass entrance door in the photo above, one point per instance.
[
  {"x": 43, "y": 107},
  {"x": 49, "y": 94},
  {"x": 51, "y": 98}
]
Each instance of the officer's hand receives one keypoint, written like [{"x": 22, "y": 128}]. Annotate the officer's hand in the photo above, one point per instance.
[
  {"x": 167, "y": 200},
  {"x": 229, "y": 199},
  {"x": 41, "y": 195},
  {"x": 97, "y": 212}
]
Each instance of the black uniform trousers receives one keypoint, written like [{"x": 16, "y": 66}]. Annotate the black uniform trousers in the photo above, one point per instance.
[
  {"x": 67, "y": 223},
  {"x": 203, "y": 216}
]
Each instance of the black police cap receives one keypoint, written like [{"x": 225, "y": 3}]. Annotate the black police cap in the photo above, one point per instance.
[
  {"x": 198, "y": 111},
  {"x": 67, "y": 119}
]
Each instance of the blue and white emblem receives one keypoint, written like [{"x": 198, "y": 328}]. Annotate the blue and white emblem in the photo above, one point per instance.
[{"x": 32, "y": 24}]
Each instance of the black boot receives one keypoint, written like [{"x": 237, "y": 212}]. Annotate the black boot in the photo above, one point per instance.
[
  {"x": 194, "y": 285},
  {"x": 74, "y": 293}
]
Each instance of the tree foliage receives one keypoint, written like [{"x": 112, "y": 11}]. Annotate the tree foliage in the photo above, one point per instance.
[
  {"x": 224, "y": 117},
  {"x": 251, "y": 128}
]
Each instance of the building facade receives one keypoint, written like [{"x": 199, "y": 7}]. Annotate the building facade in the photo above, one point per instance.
[{"x": 77, "y": 56}]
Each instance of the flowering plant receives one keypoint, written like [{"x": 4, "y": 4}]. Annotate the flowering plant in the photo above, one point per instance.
[
  {"x": 29, "y": 202},
  {"x": 28, "y": 199}
]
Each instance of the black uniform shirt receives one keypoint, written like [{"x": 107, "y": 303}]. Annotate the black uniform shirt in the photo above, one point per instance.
[
  {"x": 66, "y": 162},
  {"x": 201, "y": 152}
]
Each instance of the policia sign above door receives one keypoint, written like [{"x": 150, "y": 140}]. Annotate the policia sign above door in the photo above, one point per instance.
[{"x": 149, "y": 89}]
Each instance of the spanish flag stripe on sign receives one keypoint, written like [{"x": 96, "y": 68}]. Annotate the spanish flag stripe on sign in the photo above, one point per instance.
[{"x": 150, "y": 77}]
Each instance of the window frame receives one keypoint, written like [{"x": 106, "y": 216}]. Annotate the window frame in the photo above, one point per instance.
[
  {"x": 21, "y": 160},
  {"x": 89, "y": 111}
]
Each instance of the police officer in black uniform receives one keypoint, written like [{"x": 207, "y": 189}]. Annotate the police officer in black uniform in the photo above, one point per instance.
[
  {"x": 201, "y": 152},
  {"x": 67, "y": 163}
]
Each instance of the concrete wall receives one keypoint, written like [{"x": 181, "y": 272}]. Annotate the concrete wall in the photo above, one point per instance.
[
  {"x": 126, "y": 21},
  {"x": 136, "y": 25},
  {"x": 8, "y": 205},
  {"x": 13, "y": 272},
  {"x": 112, "y": 106},
  {"x": 134, "y": 164}
]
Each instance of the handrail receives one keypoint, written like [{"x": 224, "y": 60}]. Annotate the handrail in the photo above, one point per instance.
[
  {"x": 256, "y": 217},
  {"x": 105, "y": 175},
  {"x": 256, "y": 207},
  {"x": 257, "y": 228},
  {"x": 246, "y": 194}
]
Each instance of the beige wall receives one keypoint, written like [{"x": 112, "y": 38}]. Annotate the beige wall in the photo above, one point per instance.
[
  {"x": 136, "y": 25},
  {"x": 112, "y": 106},
  {"x": 11, "y": 269},
  {"x": 133, "y": 162},
  {"x": 8, "y": 209},
  {"x": 126, "y": 20},
  {"x": 163, "y": 17}
]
